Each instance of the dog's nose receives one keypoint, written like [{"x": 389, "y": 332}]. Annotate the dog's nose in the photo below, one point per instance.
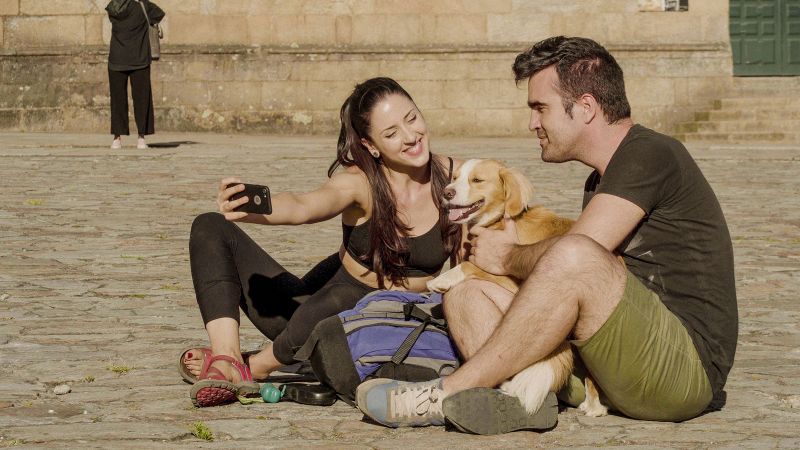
[{"x": 449, "y": 193}]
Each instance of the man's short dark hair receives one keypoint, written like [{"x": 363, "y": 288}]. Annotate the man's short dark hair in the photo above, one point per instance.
[{"x": 583, "y": 67}]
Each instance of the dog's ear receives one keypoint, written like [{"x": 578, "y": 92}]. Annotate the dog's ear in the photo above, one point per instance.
[{"x": 517, "y": 189}]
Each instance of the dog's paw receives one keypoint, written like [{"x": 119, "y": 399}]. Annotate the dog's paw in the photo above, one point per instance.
[
  {"x": 439, "y": 284},
  {"x": 593, "y": 408},
  {"x": 447, "y": 280}
]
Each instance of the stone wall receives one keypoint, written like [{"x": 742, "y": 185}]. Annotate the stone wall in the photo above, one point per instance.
[{"x": 286, "y": 66}]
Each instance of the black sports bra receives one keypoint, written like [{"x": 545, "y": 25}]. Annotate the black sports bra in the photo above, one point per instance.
[{"x": 426, "y": 253}]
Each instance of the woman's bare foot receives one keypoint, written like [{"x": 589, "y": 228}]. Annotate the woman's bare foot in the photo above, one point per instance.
[{"x": 263, "y": 363}]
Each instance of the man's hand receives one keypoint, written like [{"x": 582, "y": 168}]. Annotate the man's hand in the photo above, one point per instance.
[{"x": 489, "y": 249}]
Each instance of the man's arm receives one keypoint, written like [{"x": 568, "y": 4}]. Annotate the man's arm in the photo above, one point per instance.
[
  {"x": 522, "y": 258},
  {"x": 607, "y": 219},
  {"x": 499, "y": 252}
]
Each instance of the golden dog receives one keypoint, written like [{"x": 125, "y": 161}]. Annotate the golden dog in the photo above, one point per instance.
[{"x": 483, "y": 192}]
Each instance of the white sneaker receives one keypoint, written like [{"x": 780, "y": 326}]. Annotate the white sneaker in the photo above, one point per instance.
[
  {"x": 116, "y": 143},
  {"x": 141, "y": 144},
  {"x": 400, "y": 403}
]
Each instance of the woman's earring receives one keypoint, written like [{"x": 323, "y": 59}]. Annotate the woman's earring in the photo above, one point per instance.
[{"x": 376, "y": 155}]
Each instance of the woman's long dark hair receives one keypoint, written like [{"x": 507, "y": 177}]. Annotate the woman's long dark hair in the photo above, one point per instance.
[{"x": 388, "y": 250}]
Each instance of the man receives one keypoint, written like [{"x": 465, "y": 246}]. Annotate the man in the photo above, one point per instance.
[{"x": 657, "y": 333}]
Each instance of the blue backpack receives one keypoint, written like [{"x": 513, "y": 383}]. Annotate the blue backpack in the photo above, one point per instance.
[{"x": 388, "y": 334}]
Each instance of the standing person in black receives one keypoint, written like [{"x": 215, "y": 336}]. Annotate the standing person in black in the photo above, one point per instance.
[{"x": 129, "y": 57}]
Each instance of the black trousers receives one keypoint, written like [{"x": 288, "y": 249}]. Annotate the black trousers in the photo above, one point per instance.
[
  {"x": 230, "y": 271},
  {"x": 142, "y": 95}
]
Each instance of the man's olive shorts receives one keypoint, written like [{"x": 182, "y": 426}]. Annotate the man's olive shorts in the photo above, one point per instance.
[{"x": 643, "y": 360}]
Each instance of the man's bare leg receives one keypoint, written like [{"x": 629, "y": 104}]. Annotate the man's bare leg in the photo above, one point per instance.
[
  {"x": 474, "y": 309},
  {"x": 574, "y": 288}
]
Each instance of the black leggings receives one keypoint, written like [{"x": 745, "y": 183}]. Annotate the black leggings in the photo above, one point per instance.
[{"x": 230, "y": 271}]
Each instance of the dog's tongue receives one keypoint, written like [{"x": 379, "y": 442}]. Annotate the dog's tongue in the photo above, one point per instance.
[{"x": 455, "y": 213}]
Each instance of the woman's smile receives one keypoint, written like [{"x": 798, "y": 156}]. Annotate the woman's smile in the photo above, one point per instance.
[{"x": 415, "y": 150}]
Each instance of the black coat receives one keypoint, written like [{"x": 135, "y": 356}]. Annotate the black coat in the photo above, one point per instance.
[{"x": 130, "y": 47}]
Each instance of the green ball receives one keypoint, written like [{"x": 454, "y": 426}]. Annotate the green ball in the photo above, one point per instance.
[{"x": 270, "y": 393}]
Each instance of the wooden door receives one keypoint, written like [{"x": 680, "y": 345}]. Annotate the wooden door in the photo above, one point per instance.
[{"x": 765, "y": 37}]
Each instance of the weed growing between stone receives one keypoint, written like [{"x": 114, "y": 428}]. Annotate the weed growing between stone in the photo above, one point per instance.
[
  {"x": 201, "y": 430},
  {"x": 120, "y": 369}
]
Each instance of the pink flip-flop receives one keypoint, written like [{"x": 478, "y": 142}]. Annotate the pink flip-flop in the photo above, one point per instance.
[{"x": 213, "y": 388}]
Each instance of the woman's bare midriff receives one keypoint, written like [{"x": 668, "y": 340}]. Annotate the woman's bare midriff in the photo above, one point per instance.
[{"x": 368, "y": 277}]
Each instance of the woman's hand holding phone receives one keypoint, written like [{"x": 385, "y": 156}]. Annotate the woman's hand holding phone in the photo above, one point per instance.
[
  {"x": 227, "y": 207},
  {"x": 236, "y": 199}
]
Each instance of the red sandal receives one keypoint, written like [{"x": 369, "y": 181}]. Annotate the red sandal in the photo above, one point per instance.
[
  {"x": 213, "y": 388},
  {"x": 188, "y": 376}
]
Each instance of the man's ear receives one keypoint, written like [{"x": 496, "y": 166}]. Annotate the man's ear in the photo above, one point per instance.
[
  {"x": 589, "y": 107},
  {"x": 517, "y": 189}
]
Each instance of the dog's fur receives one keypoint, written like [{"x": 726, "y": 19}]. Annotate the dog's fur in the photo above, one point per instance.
[{"x": 482, "y": 193}]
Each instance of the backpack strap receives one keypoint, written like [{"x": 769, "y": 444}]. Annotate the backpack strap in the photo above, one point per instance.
[
  {"x": 304, "y": 353},
  {"x": 405, "y": 348},
  {"x": 412, "y": 311}
]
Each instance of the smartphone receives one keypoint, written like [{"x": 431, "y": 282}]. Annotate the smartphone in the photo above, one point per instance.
[{"x": 259, "y": 201}]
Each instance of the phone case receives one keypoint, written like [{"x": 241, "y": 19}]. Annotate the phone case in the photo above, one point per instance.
[{"x": 259, "y": 200}]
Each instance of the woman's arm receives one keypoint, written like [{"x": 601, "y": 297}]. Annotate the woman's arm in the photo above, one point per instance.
[
  {"x": 154, "y": 13},
  {"x": 342, "y": 190}
]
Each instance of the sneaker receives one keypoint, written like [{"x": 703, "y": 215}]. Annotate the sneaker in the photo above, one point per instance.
[
  {"x": 492, "y": 411},
  {"x": 116, "y": 143},
  {"x": 141, "y": 144},
  {"x": 401, "y": 404}
]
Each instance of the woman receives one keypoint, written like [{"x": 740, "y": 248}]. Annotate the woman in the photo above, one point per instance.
[
  {"x": 395, "y": 236},
  {"x": 129, "y": 58}
]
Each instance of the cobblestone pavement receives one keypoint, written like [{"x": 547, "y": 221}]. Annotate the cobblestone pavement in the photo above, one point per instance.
[{"x": 95, "y": 293}]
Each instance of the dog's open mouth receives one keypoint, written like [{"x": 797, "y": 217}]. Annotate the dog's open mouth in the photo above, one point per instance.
[{"x": 456, "y": 212}]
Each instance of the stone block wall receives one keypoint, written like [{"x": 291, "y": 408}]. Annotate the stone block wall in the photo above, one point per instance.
[{"x": 285, "y": 66}]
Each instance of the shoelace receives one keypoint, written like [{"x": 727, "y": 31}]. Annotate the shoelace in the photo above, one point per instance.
[{"x": 418, "y": 402}]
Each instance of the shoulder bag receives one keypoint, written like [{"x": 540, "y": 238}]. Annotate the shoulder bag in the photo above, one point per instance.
[{"x": 154, "y": 33}]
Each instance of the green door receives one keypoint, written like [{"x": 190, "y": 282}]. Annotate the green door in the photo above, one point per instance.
[{"x": 765, "y": 37}]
